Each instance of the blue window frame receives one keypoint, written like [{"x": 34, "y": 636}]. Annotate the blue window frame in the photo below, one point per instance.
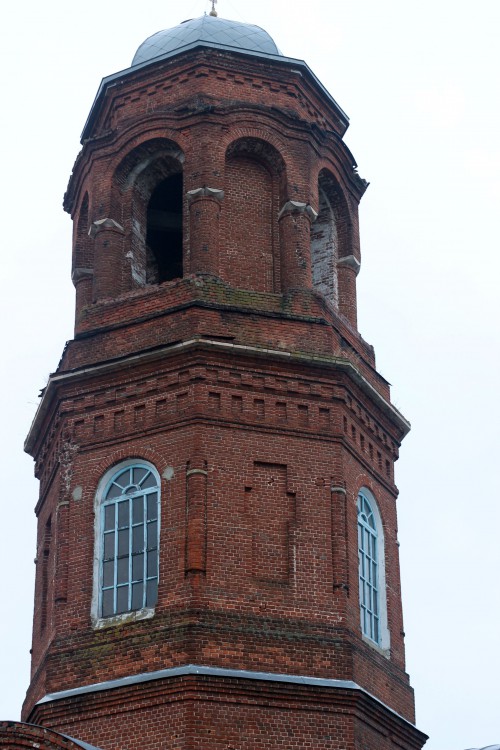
[
  {"x": 369, "y": 574},
  {"x": 129, "y": 534}
]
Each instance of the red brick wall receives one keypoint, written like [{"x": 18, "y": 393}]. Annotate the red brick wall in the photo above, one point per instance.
[
  {"x": 224, "y": 712},
  {"x": 284, "y": 411},
  {"x": 273, "y": 441},
  {"x": 250, "y": 209}
]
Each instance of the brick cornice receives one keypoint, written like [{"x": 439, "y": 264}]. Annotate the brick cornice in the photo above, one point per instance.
[
  {"x": 105, "y": 368},
  {"x": 236, "y": 686}
]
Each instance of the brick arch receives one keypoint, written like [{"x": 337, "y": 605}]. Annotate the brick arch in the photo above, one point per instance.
[
  {"x": 260, "y": 149},
  {"x": 17, "y": 735},
  {"x": 143, "y": 162},
  {"x": 255, "y": 176},
  {"x": 125, "y": 454},
  {"x": 263, "y": 128}
]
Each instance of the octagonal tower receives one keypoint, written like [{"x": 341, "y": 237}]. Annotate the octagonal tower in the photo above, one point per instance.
[{"x": 217, "y": 549}]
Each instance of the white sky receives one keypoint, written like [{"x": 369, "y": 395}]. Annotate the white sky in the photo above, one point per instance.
[{"x": 419, "y": 81}]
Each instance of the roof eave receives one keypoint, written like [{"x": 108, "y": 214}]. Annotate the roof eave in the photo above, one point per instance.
[{"x": 112, "y": 80}]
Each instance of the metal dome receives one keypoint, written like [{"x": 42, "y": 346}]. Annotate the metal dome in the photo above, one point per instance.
[{"x": 209, "y": 30}]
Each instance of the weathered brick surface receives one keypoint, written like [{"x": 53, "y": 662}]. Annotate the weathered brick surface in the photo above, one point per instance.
[
  {"x": 270, "y": 597},
  {"x": 216, "y": 712},
  {"x": 250, "y": 369}
]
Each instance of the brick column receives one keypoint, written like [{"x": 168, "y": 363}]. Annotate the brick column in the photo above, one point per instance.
[
  {"x": 82, "y": 279},
  {"x": 295, "y": 221},
  {"x": 204, "y": 214},
  {"x": 61, "y": 577},
  {"x": 339, "y": 538},
  {"x": 196, "y": 515},
  {"x": 108, "y": 249},
  {"x": 347, "y": 269}
]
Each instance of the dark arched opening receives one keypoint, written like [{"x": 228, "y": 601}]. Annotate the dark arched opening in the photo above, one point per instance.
[{"x": 164, "y": 231}]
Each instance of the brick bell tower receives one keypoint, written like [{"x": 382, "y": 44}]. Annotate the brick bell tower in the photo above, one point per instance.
[{"x": 217, "y": 559}]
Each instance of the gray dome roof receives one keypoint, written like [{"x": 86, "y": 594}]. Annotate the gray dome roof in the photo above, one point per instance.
[{"x": 210, "y": 30}]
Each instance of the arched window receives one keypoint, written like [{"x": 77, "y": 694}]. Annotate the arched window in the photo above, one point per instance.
[
  {"x": 372, "y": 596},
  {"x": 127, "y": 538}
]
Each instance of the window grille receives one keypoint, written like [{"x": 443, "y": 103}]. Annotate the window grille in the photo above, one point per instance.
[
  {"x": 129, "y": 538},
  {"x": 369, "y": 600}
]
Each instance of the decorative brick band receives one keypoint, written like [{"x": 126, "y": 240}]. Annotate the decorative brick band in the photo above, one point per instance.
[
  {"x": 203, "y": 670},
  {"x": 336, "y": 362}
]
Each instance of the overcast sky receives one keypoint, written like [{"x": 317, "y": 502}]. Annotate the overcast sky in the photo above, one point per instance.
[{"x": 420, "y": 83}]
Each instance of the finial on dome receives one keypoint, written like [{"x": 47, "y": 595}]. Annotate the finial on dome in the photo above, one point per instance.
[{"x": 213, "y": 12}]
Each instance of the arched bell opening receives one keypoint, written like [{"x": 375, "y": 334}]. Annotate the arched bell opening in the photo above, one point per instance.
[
  {"x": 164, "y": 236},
  {"x": 332, "y": 247},
  {"x": 324, "y": 248},
  {"x": 150, "y": 179}
]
